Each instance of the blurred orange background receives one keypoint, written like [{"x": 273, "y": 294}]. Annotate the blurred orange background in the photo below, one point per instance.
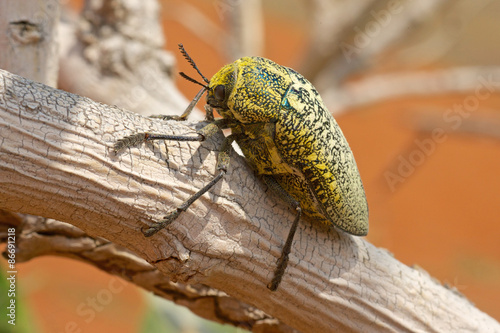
[{"x": 434, "y": 205}]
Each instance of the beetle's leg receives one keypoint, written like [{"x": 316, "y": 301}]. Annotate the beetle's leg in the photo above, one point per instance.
[
  {"x": 283, "y": 260},
  {"x": 187, "y": 112},
  {"x": 134, "y": 139},
  {"x": 222, "y": 165},
  {"x": 209, "y": 113},
  {"x": 182, "y": 208}
]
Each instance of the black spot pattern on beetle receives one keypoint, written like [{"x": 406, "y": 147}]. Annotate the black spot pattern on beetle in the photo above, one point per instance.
[{"x": 303, "y": 149}]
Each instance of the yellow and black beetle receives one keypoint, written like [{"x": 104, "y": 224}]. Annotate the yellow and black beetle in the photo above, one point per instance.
[{"x": 287, "y": 135}]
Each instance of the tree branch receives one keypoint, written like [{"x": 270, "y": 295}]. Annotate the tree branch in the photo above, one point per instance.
[
  {"x": 29, "y": 39},
  {"x": 117, "y": 47},
  {"x": 376, "y": 88},
  {"x": 57, "y": 162},
  {"x": 37, "y": 236},
  {"x": 358, "y": 33}
]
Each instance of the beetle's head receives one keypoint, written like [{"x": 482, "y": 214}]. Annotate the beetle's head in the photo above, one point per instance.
[
  {"x": 220, "y": 88},
  {"x": 249, "y": 90}
]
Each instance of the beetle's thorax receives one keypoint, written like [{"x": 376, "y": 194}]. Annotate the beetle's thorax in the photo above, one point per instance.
[{"x": 252, "y": 89}]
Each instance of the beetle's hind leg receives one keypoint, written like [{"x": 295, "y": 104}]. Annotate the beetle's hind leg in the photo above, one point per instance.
[{"x": 283, "y": 260}]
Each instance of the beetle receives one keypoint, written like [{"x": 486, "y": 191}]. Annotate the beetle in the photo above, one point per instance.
[{"x": 287, "y": 136}]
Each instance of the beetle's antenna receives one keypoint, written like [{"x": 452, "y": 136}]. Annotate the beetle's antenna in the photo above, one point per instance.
[
  {"x": 190, "y": 60},
  {"x": 193, "y": 80}
]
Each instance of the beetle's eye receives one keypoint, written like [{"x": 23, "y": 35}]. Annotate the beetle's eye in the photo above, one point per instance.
[{"x": 220, "y": 92}]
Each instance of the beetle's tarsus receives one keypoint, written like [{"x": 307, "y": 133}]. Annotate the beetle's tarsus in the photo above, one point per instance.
[
  {"x": 283, "y": 260},
  {"x": 162, "y": 223},
  {"x": 129, "y": 141}
]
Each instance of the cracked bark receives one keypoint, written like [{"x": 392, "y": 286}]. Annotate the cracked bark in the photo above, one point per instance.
[
  {"x": 38, "y": 236},
  {"x": 57, "y": 162}
]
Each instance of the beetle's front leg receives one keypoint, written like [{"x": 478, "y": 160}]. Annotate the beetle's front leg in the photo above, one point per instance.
[
  {"x": 201, "y": 135},
  {"x": 222, "y": 166},
  {"x": 188, "y": 110}
]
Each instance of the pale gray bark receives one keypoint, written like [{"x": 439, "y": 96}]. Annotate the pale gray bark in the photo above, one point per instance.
[
  {"x": 348, "y": 37},
  {"x": 38, "y": 236},
  {"x": 114, "y": 53},
  {"x": 28, "y": 39},
  {"x": 56, "y": 161},
  {"x": 477, "y": 81}
]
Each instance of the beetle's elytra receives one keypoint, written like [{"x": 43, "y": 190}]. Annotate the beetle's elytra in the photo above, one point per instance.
[{"x": 287, "y": 136}]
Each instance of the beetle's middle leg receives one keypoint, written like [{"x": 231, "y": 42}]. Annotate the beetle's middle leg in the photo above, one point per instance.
[
  {"x": 283, "y": 260},
  {"x": 201, "y": 135},
  {"x": 222, "y": 166}
]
